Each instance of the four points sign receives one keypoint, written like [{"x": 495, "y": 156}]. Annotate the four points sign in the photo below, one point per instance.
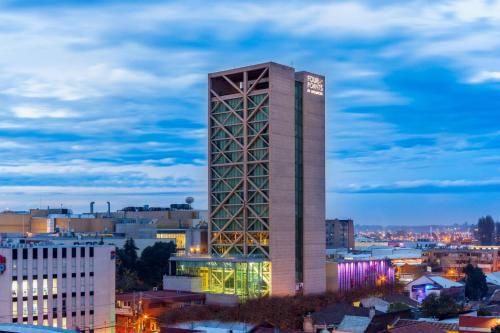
[{"x": 315, "y": 85}]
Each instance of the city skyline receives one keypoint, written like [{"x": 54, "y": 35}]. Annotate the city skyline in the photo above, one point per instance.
[{"x": 107, "y": 101}]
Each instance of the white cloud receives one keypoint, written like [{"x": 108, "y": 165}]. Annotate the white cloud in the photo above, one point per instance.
[
  {"x": 485, "y": 76},
  {"x": 36, "y": 112}
]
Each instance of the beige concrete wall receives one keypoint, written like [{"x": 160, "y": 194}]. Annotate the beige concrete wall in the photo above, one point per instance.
[
  {"x": 282, "y": 178},
  {"x": 85, "y": 225},
  {"x": 331, "y": 279},
  {"x": 15, "y": 223},
  {"x": 165, "y": 219},
  {"x": 314, "y": 187}
]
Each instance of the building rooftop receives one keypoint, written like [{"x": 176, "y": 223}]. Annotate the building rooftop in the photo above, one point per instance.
[
  {"x": 334, "y": 313},
  {"x": 25, "y": 328},
  {"x": 214, "y": 326},
  {"x": 354, "y": 324},
  {"x": 444, "y": 282},
  {"x": 418, "y": 327},
  {"x": 24, "y": 243},
  {"x": 493, "y": 278},
  {"x": 161, "y": 295},
  {"x": 444, "y": 326}
]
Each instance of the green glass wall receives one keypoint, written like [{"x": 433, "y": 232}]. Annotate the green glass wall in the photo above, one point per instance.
[{"x": 246, "y": 279}]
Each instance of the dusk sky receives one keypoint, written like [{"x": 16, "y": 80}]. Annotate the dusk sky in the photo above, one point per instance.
[{"x": 106, "y": 100}]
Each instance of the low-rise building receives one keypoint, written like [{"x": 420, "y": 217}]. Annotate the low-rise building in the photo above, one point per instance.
[
  {"x": 428, "y": 284},
  {"x": 58, "y": 285},
  {"x": 450, "y": 262},
  {"x": 345, "y": 275},
  {"x": 139, "y": 311},
  {"x": 472, "y": 323}
]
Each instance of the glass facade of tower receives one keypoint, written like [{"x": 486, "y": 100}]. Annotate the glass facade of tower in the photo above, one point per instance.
[{"x": 245, "y": 279}]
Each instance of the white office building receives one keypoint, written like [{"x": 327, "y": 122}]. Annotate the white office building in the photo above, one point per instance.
[{"x": 59, "y": 285}]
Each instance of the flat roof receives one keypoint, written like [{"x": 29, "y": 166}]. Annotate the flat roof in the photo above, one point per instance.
[
  {"x": 163, "y": 295},
  {"x": 204, "y": 258},
  {"x": 26, "y": 328}
]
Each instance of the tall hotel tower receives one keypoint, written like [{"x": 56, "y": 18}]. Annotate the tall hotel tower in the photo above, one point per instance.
[{"x": 266, "y": 183}]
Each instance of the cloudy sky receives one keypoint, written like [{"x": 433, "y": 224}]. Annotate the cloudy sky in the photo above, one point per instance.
[{"x": 106, "y": 100}]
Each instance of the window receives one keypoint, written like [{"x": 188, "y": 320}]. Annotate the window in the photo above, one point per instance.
[
  {"x": 82, "y": 264},
  {"x": 54, "y": 322},
  {"x": 45, "y": 322},
  {"x": 73, "y": 265},
  {"x": 73, "y": 284},
  {"x": 45, "y": 287},
  {"x": 35, "y": 266},
  {"x": 25, "y": 288},
  {"x": 14, "y": 267},
  {"x": 54, "y": 286},
  {"x": 54, "y": 252},
  {"x": 64, "y": 322},
  {"x": 35, "y": 308},
  {"x": 45, "y": 307},
  {"x": 14, "y": 309},
  {"x": 73, "y": 304},
  {"x": 82, "y": 284},
  {"x": 91, "y": 283},
  {"x": 25, "y": 308},
  {"x": 14, "y": 288},
  {"x": 91, "y": 301},
  {"x": 82, "y": 252},
  {"x": 25, "y": 267},
  {"x": 63, "y": 285},
  {"x": 54, "y": 266},
  {"x": 64, "y": 264},
  {"x": 35, "y": 287},
  {"x": 64, "y": 253},
  {"x": 82, "y": 303},
  {"x": 45, "y": 265}
]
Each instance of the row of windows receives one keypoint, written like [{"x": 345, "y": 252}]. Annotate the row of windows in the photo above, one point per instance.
[
  {"x": 45, "y": 252},
  {"x": 73, "y": 321},
  {"x": 45, "y": 309},
  {"x": 25, "y": 288},
  {"x": 34, "y": 265}
]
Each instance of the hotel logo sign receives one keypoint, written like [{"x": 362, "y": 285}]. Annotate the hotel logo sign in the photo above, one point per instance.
[
  {"x": 3, "y": 266},
  {"x": 315, "y": 85}
]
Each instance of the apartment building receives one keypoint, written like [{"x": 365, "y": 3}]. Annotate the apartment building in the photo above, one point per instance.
[
  {"x": 58, "y": 285},
  {"x": 450, "y": 262}
]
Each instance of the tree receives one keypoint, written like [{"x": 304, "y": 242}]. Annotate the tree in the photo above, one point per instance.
[
  {"x": 475, "y": 283},
  {"x": 483, "y": 312},
  {"x": 486, "y": 230},
  {"x": 127, "y": 256},
  {"x": 398, "y": 306},
  {"x": 153, "y": 263},
  {"x": 128, "y": 280},
  {"x": 440, "y": 307}
]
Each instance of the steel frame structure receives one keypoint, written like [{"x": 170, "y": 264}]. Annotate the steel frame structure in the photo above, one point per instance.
[{"x": 239, "y": 164}]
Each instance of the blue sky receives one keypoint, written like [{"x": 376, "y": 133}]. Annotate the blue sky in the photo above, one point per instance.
[{"x": 106, "y": 100}]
